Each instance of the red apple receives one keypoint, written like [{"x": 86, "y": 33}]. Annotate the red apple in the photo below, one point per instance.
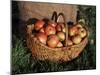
[
  {"x": 58, "y": 28},
  {"x": 41, "y": 37},
  {"x": 39, "y": 24},
  {"x": 52, "y": 41},
  {"x": 73, "y": 31},
  {"x": 50, "y": 30},
  {"x": 52, "y": 23}
]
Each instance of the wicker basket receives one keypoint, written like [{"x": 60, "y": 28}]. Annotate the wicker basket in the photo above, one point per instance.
[{"x": 43, "y": 52}]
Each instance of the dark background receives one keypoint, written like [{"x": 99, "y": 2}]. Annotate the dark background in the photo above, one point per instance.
[{"x": 22, "y": 61}]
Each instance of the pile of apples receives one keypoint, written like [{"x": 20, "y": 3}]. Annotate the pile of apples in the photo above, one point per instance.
[
  {"x": 76, "y": 34},
  {"x": 53, "y": 35}
]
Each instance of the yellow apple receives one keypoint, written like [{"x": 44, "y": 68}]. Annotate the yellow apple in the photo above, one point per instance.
[
  {"x": 82, "y": 32},
  {"x": 61, "y": 36},
  {"x": 69, "y": 43},
  {"x": 79, "y": 26},
  {"x": 76, "y": 39}
]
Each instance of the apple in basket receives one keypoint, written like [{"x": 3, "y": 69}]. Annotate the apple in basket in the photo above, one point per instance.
[
  {"x": 59, "y": 44},
  {"x": 50, "y": 30},
  {"x": 52, "y": 41},
  {"x": 58, "y": 28},
  {"x": 42, "y": 30},
  {"x": 79, "y": 26},
  {"x": 39, "y": 24},
  {"x": 73, "y": 31},
  {"x": 52, "y": 23},
  {"x": 69, "y": 42},
  {"x": 42, "y": 37},
  {"x": 62, "y": 27},
  {"x": 61, "y": 36},
  {"x": 82, "y": 32},
  {"x": 76, "y": 39}
]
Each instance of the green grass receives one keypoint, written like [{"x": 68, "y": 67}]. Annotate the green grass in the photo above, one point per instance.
[{"x": 23, "y": 62}]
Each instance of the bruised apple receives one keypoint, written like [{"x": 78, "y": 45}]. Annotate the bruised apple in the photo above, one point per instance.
[
  {"x": 41, "y": 37},
  {"x": 39, "y": 24},
  {"x": 50, "y": 30},
  {"x": 52, "y": 41}
]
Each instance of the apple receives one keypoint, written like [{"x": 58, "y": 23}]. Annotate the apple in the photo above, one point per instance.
[
  {"x": 58, "y": 28},
  {"x": 52, "y": 41},
  {"x": 42, "y": 30},
  {"x": 50, "y": 30},
  {"x": 52, "y": 23},
  {"x": 82, "y": 32},
  {"x": 39, "y": 24},
  {"x": 41, "y": 37},
  {"x": 79, "y": 26},
  {"x": 76, "y": 39},
  {"x": 59, "y": 44},
  {"x": 64, "y": 30},
  {"x": 73, "y": 31},
  {"x": 69, "y": 42},
  {"x": 61, "y": 36}
]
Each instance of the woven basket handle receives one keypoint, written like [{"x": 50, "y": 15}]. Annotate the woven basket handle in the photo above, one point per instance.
[
  {"x": 54, "y": 16},
  {"x": 61, "y": 15}
]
